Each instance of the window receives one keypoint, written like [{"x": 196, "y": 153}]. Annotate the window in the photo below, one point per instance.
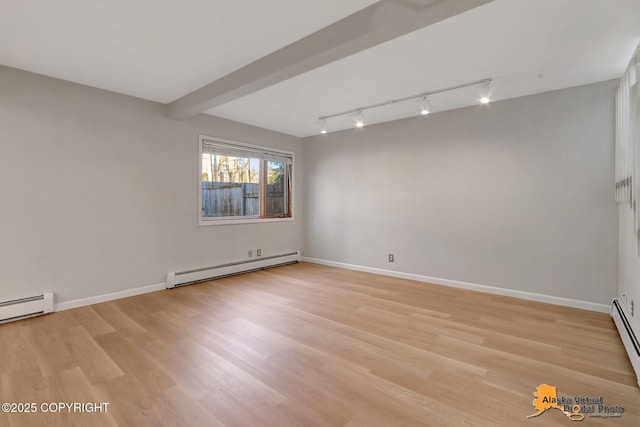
[{"x": 243, "y": 183}]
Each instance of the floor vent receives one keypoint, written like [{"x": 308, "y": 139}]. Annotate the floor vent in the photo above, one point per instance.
[
  {"x": 629, "y": 338},
  {"x": 188, "y": 277},
  {"x": 26, "y": 307}
]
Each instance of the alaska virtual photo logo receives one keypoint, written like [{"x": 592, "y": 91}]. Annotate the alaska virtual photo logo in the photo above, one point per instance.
[{"x": 575, "y": 408}]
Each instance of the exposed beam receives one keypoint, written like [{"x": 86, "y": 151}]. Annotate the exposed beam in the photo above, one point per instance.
[{"x": 376, "y": 24}]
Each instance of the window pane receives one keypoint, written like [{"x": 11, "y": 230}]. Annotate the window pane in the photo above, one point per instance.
[
  {"x": 230, "y": 186},
  {"x": 277, "y": 188}
]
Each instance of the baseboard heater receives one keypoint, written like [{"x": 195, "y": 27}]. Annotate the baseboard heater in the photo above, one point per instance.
[
  {"x": 629, "y": 338},
  {"x": 23, "y": 308},
  {"x": 180, "y": 278}
]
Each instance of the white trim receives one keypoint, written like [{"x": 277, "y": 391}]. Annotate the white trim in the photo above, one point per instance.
[
  {"x": 567, "y": 302},
  {"x": 67, "y": 305},
  {"x": 251, "y": 220},
  {"x": 243, "y": 220}
]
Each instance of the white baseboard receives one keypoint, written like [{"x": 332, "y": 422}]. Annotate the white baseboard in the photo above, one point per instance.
[
  {"x": 567, "y": 302},
  {"x": 267, "y": 261},
  {"x": 67, "y": 305}
]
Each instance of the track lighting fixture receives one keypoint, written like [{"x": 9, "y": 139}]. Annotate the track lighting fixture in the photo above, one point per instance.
[
  {"x": 359, "y": 119},
  {"x": 425, "y": 105},
  {"x": 485, "y": 96},
  {"x": 323, "y": 126}
]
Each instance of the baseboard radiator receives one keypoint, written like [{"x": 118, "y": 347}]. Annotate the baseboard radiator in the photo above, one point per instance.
[
  {"x": 23, "y": 308},
  {"x": 629, "y": 337},
  {"x": 180, "y": 278}
]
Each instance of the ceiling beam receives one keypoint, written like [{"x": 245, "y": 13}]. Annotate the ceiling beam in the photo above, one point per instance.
[{"x": 373, "y": 25}]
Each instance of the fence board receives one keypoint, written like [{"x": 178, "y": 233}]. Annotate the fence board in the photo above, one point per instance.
[{"x": 221, "y": 199}]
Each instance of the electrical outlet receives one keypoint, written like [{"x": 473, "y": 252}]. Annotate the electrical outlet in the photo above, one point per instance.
[
  {"x": 391, "y": 258},
  {"x": 258, "y": 252},
  {"x": 250, "y": 253}
]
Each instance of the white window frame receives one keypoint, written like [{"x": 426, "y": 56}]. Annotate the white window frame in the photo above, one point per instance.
[{"x": 202, "y": 221}]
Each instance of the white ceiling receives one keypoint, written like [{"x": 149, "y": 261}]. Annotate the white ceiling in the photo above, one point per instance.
[
  {"x": 154, "y": 49},
  {"x": 162, "y": 49}
]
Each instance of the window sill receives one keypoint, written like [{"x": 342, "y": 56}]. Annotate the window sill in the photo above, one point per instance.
[{"x": 208, "y": 222}]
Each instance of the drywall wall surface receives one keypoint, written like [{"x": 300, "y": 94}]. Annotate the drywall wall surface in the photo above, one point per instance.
[
  {"x": 100, "y": 191},
  {"x": 516, "y": 194}
]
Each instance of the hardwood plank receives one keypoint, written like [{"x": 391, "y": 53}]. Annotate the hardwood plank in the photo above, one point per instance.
[
  {"x": 91, "y": 321},
  {"x": 132, "y": 361},
  {"x": 117, "y": 319},
  {"x": 76, "y": 387},
  {"x": 190, "y": 412}
]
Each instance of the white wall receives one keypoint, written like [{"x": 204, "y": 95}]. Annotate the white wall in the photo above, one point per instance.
[
  {"x": 629, "y": 265},
  {"x": 517, "y": 195},
  {"x": 100, "y": 191}
]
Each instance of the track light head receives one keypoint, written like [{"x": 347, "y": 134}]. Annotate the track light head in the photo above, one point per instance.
[
  {"x": 359, "y": 119},
  {"x": 425, "y": 106},
  {"x": 323, "y": 126},
  {"x": 485, "y": 96}
]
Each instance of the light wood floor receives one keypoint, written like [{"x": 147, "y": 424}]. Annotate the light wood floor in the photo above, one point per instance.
[{"x": 306, "y": 345}]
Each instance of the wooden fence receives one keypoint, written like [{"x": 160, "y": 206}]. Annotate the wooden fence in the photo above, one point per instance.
[{"x": 220, "y": 199}]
